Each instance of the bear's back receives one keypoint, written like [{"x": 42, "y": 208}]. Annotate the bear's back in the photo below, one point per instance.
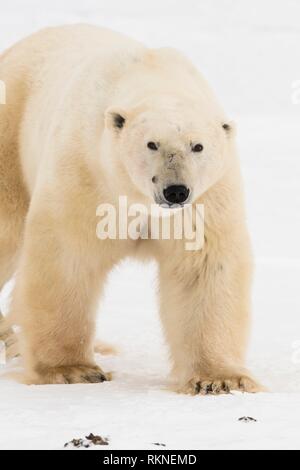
[{"x": 39, "y": 72}]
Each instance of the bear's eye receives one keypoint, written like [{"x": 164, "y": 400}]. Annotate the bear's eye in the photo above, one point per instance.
[
  {"x": 197, "y": 148},
  {"x": 152, "y": 146}
]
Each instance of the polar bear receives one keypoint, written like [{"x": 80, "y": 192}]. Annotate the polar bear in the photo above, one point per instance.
[{"x": 91, "y": 115}]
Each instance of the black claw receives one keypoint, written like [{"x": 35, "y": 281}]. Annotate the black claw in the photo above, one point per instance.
[
  {"x": 216, "y": 390},
  {"x": 205, "y": 390},
  {"x": 241, "y": 386},
  {"x": 225, "y": 388},
  {"x": 197, "y": 387},
  {"x": 95, "y": 378}
]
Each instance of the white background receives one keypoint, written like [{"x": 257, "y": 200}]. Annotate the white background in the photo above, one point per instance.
[{"x": 250, "y": 52}]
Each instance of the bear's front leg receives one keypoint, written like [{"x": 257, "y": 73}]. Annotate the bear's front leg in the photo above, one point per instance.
[
  {"x": 55, "y": 299},
  {"x": 205, "y": 299}
]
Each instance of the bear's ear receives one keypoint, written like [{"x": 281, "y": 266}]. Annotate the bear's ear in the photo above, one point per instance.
[
  {"x": 229, "y": 128},
  {"x": 115, "y": 119}
]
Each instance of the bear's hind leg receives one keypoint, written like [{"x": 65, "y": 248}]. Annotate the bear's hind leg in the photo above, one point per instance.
[
  {"x": 13, "y": 210},
  {"x": 11, "y": 228},
  {"x": 14, "y": 198}
]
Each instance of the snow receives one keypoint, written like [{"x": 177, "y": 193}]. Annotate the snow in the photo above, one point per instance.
[{"x": 249, "y": 51}]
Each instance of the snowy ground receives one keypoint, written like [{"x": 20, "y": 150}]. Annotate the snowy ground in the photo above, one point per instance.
[{"x": 248, "y": 51}]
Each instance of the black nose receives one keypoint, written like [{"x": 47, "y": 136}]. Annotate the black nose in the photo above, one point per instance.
[{"x": 176, "y": 194}]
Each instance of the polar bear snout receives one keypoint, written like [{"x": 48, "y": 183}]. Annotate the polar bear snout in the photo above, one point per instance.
[{"x": 176, "y": 194}]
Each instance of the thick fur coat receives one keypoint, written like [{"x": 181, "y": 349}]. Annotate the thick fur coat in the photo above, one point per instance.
[{"x": 82, "y": 105}]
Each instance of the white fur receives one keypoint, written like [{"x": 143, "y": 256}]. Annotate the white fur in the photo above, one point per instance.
[{"x": 62, "y": 155}]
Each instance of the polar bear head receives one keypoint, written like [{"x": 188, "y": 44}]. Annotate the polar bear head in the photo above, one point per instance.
[{"x": 172, "y": 149}]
